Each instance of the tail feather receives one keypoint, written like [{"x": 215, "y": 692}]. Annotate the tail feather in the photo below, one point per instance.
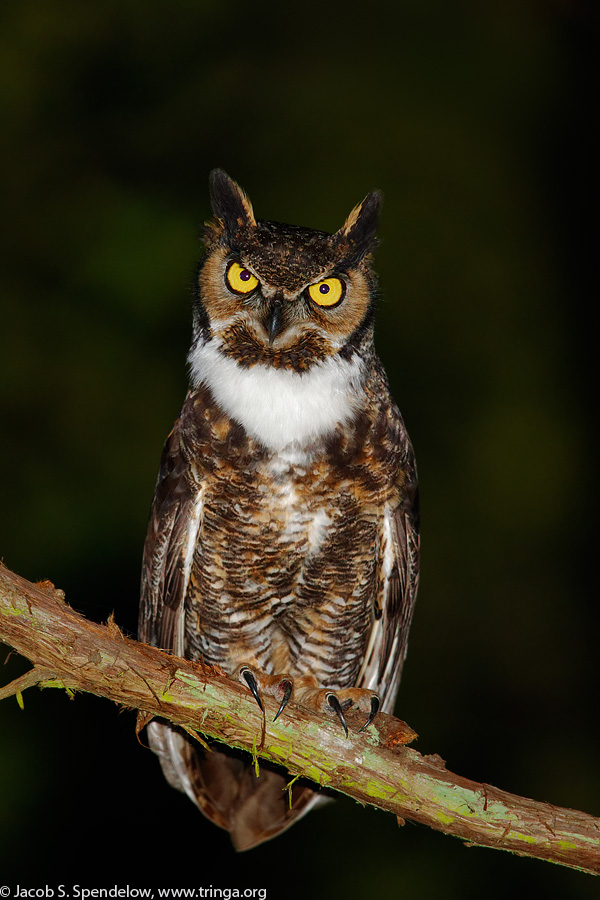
[{"x": 226, "y": 789}]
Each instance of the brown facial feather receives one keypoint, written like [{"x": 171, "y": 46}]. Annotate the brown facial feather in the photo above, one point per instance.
[
  {"x": 308, "y": 329},
  {"x": 242, "y": 344}
]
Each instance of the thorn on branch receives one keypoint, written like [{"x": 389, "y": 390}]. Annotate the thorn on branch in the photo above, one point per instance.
[
  {"x": 194, "y": 734},
  {"x": 29, "y": 679},
  {"x": 142, "y": 719},
  {"x": 47, "y": 586},
  {"x": 113, "y": 628}
]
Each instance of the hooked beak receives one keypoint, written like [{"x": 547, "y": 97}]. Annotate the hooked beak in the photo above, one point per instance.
[{"x": 274, "y": 323}]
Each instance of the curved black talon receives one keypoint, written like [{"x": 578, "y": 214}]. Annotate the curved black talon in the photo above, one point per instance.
[
  {"x": 286, "y": 696},
  {"x": 335, "y": 705},
  {"x": 251, "y": 682},
  {"x": 374, "y": 710}
]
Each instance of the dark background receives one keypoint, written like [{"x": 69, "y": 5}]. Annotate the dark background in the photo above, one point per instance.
[{"x": 473, "y": 120}]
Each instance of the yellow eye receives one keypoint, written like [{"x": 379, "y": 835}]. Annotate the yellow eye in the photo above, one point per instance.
[
  {"x": 240, "y": 280},
  {"x": 328, "y": 292}
]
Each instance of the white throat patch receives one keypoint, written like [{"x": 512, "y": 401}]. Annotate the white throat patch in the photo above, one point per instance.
[{"x": 280, "y": 406}]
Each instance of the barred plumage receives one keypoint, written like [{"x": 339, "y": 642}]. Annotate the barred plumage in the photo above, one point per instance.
[{"x": 283, "y": 540}]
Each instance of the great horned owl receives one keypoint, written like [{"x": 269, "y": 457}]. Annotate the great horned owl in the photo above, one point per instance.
[{"x": 283, "y": 542}]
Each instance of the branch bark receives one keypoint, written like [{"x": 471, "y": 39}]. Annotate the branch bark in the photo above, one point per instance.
[{"x": 375, "y": 767}]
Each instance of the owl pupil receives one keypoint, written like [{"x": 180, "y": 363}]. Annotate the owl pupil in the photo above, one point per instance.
[
  {"x": 245, "y": 275},
  {"x": 324, "y": 289}
]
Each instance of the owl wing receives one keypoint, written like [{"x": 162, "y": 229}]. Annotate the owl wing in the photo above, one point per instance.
[
  {"x": 168, "y": 552},
  {"x": 398, "y": 582}
]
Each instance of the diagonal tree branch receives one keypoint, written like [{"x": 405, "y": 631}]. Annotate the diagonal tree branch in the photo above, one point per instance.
[{"x": 375, "y": 767}]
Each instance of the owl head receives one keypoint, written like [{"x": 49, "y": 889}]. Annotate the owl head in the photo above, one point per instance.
[{"x": 281, "y": 295}]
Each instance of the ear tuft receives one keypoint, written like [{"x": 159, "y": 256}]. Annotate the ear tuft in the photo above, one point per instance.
[
  {"x": 229, "y": 203},
  {"x": 360, "y": 228}
]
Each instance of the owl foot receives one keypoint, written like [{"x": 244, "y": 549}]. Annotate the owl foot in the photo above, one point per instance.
[
  {"x": 278, "y": 686},
  {"x": 341, "y": 701},
  {"x": 307, "y": 692}
]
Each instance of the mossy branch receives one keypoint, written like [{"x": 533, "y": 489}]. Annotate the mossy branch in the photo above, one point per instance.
[{"x": 374, "y": 767}]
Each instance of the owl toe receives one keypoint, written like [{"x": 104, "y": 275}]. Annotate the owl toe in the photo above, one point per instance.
[
  {"x": 287, "y": 685},
  {"x": 336, "y": 706},
  {"x": 375, "y": 704},
  {"x": 248, "y": 676},
  {"x": 364, "y": 700},
  {"x": 279, "y": 687}
]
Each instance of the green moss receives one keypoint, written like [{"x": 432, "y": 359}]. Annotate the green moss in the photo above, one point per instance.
[
  {"x": 526, "y": 838},
  {"x": 444, "y": 819},
  {"x": 167, "y": 697},
  {"x": 378, "y": 790}
]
